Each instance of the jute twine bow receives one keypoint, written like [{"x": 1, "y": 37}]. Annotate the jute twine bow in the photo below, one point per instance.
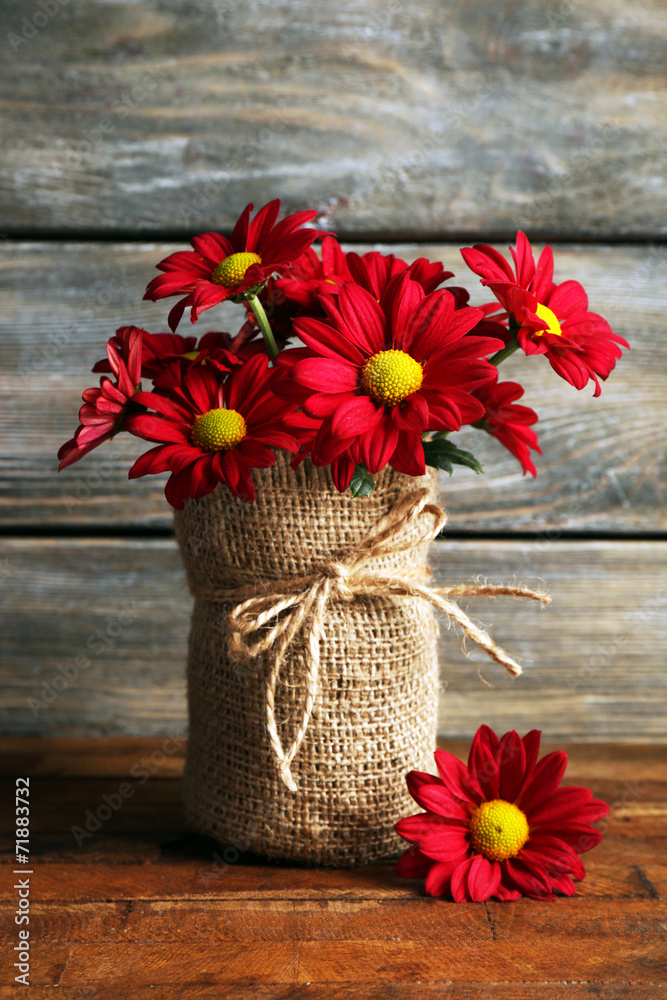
[{"x": 299, "y": 603}]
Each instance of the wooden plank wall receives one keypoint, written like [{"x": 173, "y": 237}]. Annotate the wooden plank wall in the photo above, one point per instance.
[{"x": 129, "y": 125}]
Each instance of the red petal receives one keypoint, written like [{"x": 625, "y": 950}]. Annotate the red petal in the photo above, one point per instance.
[
  {"x": 445, "y": 843},
  {"x": 152, "y": 428},
  {"x": 262, "y": 224},
  {"x": 459, "y": 882},
  {"x": 512, "y": 761},
  {"x": 531, "y": 881},
  {"x": 564, "y": 884},
  {"x": 543, "y": 280},
  {"x": 408, "y": 456},
  {"x": 580, "y": 837},
  {"x": 378, "y": 444},
  {"x": 212, "y": 246},
  {"x": 239, "y": 236},
  {"x": 322, "y": 405},
  {"x": 483, "y": 768},
  {"x": 177, "y": 489},
  {"x": 506, "y": 895},
  {"x": 567, "y": 299},
  {"x": 325, "y": 339},
  {"x": 412, "y": 414},
  {"x": 487, "y": 262},
  {"x": 562, "y": 804},
  {"x": 326, "y": 374},
  {"x": 485, "y": 736},
  {"x": 438, "y": 800},
  {"x": 416, "y": 780},
  {"x": 531, "y": 745},
  {"x": 439, "y": 876},
  {"x": 156, "y": 460},
  {"x": 429, "y": 330},
  {"x": 552, "y": 853},
  {"x": 456, "y": 778},
  {"x": 356, "y": 416},
  {"x": 405, "y": 305},
  {"x": 421, "y": 825},
  {"x": 413, "y": 864},
  {"x": 259, "y": 454},
  {"x": 342, "y": 470},
  {"x": 483, "y": 878},
  {"x": 545, "y": 779},
  {"x": 363, "y": 318},
  {"x": 205, "y": 295},
  {"x": 524, "y": 261}
]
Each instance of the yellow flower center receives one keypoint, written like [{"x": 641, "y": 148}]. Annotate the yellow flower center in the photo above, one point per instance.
[
  {"x": 191, "y": 355},
  {"x": 231, "y": 271},
  {"x": 498, "y": 829},
  {"x": 390, "y": 376},
  {"x": 218, "y": 430},
  {"x": 550, "y": 318}
]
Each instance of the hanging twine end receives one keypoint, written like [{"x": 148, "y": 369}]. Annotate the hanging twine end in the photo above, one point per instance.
[{"x": 287, "y": 779}]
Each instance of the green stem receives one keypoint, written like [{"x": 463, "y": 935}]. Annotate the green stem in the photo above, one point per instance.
[
  {"x": 505, "y": 353},
  {"x": 264, "y": 326}
]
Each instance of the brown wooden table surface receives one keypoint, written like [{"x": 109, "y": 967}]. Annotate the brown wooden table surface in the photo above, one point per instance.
[{"x": 145, "y": 908}]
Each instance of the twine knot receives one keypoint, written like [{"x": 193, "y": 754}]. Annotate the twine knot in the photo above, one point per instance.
[
  {"x": 338, "y": 575},
  {"x": 269, "y": 621}
]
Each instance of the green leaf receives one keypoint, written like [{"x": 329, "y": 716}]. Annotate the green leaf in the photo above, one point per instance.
[
  {"x": 362, "y": 483},
  {"x": 442, "y": 454}
]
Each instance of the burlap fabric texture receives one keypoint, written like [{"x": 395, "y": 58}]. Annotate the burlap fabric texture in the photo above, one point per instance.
[{"x": 299, "y": 742}]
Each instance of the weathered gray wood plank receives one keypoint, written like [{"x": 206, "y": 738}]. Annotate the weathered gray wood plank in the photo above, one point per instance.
[
  {"x": 594, "y": 663},
  {"x": 430, "y": 117},
  {"x": 604, "y": 465}
]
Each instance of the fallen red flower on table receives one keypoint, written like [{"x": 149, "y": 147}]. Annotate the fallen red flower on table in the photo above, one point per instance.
[{"x": 499, "y": 827}]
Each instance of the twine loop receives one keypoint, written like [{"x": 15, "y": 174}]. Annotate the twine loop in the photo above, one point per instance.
[{"x": 269, "y": 621}]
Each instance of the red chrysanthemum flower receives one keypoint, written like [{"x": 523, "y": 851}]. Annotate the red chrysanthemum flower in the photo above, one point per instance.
[
  {"x": 213, "y": 429},
  {"x": 163, "y": 352},
  {"x": 501, "y": 827},
  {"x": 105, "y": 408},
  {"x": 550, "y": 319},
  {"x": 297, "y": 293},
  {"x": 380, "y": 374},
  {"x": 309, "y": 277},
  {"x": 219, "y": 268},
  {"x": 509, "y": 421}
]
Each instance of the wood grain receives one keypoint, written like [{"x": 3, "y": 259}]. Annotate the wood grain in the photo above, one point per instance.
[
  {"x": 605, "y": 461},
  {"x": 175, "y": 923},
  {"x": 112, "y": 615},
  {"x": 423, "y": 118}
]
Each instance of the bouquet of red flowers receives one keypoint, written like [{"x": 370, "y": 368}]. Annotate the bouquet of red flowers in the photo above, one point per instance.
[{"x": 358, "y": 361}]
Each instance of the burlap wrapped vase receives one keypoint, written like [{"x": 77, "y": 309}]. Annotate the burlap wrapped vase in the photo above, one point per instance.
[
  {"x": 374, "y": 710},
  {"x": 312, "y": 666}
]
